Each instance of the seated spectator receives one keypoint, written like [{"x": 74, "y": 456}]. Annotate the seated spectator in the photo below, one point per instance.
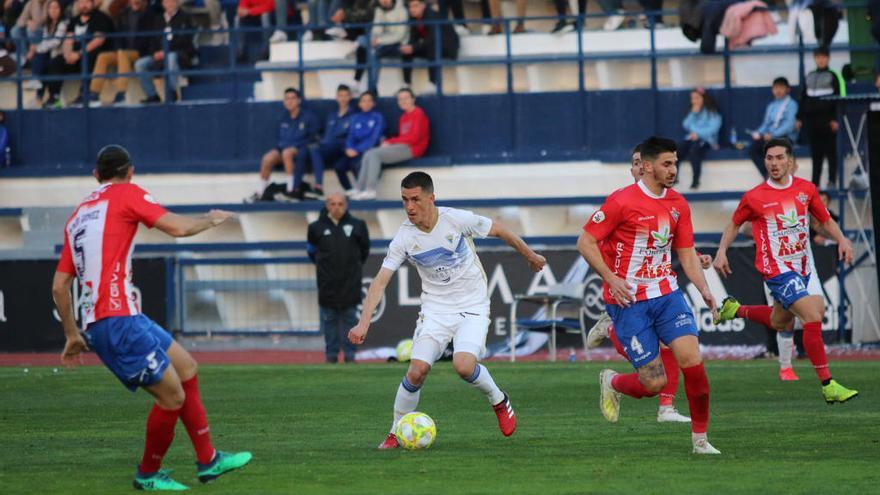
[
  {"x": 89, "y": 27},
  {"x": 135, "y": 18},
  {"x": 254, "y": 14},
  {"x": 297, "y": 128},
  {"x": 779, "y": 121},
  {"x": 364, "y": 133},
  {"x": 456, "y": 8},
  {"x": 422, "y": 41},
  {"x": 411, "y": 142},
  {"x": 319, "y": 18},
  {"x": 384, "y": 40},
  {"x": 28, "y": 29},
  {"x": 493, "y": 9},
  {"x": 353, "y": 12},
  {"x": 40, "y": 54},
  {"x": 702, "y": 125},
  {"x": 331, "y": 147},
  {"x": 181, "y": 51}
]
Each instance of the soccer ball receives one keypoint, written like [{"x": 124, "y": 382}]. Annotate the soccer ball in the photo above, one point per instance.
[
  {"x": 416, "y": 431},
  {"x": 404, "y": 350}
]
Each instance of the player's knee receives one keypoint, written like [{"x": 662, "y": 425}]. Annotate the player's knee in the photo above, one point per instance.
[
  {"x": 653, "y": 385},
  {"x": 173, "y": 400},
  {"x": 464, "y": 370},
  {"x": 417, "y": 373}
]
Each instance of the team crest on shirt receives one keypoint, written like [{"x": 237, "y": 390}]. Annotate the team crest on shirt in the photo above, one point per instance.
[
  {"x": 598, "y": 217},
  {"x": 674, "y": 213},
  {"x": 802, "y": 198},
  {"x": 661, "y": 238},
  {"x": 347, "y": 228}
]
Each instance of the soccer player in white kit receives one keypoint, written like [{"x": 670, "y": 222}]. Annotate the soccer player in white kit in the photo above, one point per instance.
[{"x": 455, "y": 295}]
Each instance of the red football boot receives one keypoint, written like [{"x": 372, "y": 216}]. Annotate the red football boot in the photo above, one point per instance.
[
  {"x": 506, "y": 416},
  {"x": 389, "y": 443}
]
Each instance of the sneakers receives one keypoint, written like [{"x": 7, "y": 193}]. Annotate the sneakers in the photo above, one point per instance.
[
  {"x": 294, "y": 196},
  {"x": 702, "y": 446},
  {"x": 788, "y": 375},
  {"x": 150, "y": 100},
  {"x": 337, "y": 32},
  {"x": 94, "y": 100},
  {"x": 562, "y": 27},
  {"x": 389, "y": 443},
  {"x": 314, "y": 193},
  {"x": 53, "y": 103},
  {"x": 119, "y": 99},
  {"x": 835, "y": 392},
  {"x": 614, "y": 21},
  {"x": 461, "y": 30},
  {"x": 278, "y": 36},
  {"x": 668, "y": 414},
  {"x": 223, "y": 463},
  {"x": 506, "y": 416},
  {"x": 364, "y": 195},
  {"x": 727, "y": 310},
  {"x": 32, "y": 84},
  {"x": 609, "y": 399},
  {"x": 351, "y": 193},
  {"x": 159, "y": 481},
  {"x": 599, "y": 332}
]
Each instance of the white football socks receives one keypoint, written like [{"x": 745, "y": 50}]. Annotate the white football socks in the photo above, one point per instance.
[
  {"x": 785, "y": 341},
  {"x": 406, "y": 401},
  {"x": 482, "y": 380},
  {"x": 264, "y": 183},
  {"x": 290, "y": 184}
]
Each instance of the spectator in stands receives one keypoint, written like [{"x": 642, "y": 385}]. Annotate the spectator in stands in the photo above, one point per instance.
[
  {"x": 135, "y": 18},
  {"x": 41, "y": 54},
  {"x": 89, "y": 26},
  {"x": 456, "y": 8},
  {"x": 617, "y": 15},
  {"x": 319, "y": 19},
  {"x": 494, "y": 11},
  {"x": 701, "y": 124},
  {"x": 331, "y": 147},
  {"x": 365, "y": 133},
  {"x": 181, "y": 51},
  {"x": 338, "y": 244},
  {"x": 779, "y": 121},
  {"x": 422, "y": 42},
  {"x": 819, "y": 118},
  {"x": 353, "y": 12},
  {"x": 411, "y": 142},
  {"x": 254, "y": 14},
  {"x": 282, "y": 10},
  {"x": 385, "y": 40},
  {"x": 28, "y": 29},
  {"x": 297, "y": 128}
]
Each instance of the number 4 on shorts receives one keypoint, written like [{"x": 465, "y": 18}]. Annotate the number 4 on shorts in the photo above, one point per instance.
[{"x": 635, "y": 345}]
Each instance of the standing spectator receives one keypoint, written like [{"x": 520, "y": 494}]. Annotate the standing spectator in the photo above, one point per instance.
[
  {"x": 779, "y": 121},
  {"x": 41, "y": 54},
  {"x": 422, "y": 41},
  {"x": 254, "y": 14},
  {"x": 28, "y": 27},
  {"x": 134, "y": 19},
  {"x": 365, "y": 133},
  {"x": 89, "y": 27},
  {"x": 701, "y": 124},
  {"x": 385, "y": 40},
  {"x": 411, "y": 142},
  {"x": 297, "y": 128},
  {"x": 819, "y": 118},
  {"x": 332, "y": 145},
  {"x": 181, "y": 51},
  {"x": 338, "y": 245}
]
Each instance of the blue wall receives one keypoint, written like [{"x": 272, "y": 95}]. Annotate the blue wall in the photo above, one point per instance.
[{"x": 465, "y": 129}]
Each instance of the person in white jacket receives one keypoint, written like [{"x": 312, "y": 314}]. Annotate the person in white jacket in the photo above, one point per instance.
[{"x": 389, "y": 31}]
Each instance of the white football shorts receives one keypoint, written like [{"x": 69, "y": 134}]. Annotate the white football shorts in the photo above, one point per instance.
[{"x": 466, "y": 331}]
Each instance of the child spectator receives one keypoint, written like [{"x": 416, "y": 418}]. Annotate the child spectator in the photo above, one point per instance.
[
  {"x": 365, "y": 133},
  {"x": 779, "y": 121}
]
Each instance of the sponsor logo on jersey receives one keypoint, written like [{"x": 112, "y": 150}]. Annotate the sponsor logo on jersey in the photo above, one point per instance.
[
  {"x": 790, "y": 219},
  {"x": 661, "y": 238},
  {"x": 598, "y": 217},
  {"x": 642, "y": 219}
]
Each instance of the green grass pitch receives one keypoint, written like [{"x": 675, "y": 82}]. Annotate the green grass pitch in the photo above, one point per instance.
[{"x": 314, "y": 429}]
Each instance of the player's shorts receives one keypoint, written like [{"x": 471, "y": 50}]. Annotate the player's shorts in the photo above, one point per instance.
[
  {"x": 787, "y": 288},
  {"x": 132, "y": 347},
  {"x": 434, "y": 331},
  {"x": 643, "y": 325}
]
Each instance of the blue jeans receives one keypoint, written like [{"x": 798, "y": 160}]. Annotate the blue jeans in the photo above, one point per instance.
[
  {"x": 344, "y": 165},
  {"x": 336, "y": 322},
  {"x": 147, "y": 64},
  {"x": 26, "y": 37},
  {"x": 321, "y": 152}
]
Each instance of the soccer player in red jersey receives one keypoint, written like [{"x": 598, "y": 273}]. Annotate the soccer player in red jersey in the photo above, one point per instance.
[
  {"x": 638, "y": 227},
  {"x": 778, "y": 211},
  {"x": 98, "y": 242}
]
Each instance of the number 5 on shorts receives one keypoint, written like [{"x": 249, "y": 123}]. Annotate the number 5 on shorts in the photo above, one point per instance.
[{"x": 635, "y": 345}]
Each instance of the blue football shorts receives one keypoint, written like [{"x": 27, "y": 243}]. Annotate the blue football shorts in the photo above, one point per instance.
[
  {"x": 134, "y": 348},
  {"x": 786, "y": 288}
]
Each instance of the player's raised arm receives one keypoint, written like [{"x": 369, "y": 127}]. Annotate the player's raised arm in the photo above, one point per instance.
[
  {"x": 185, "y": 226},
  {"x": 691, "y": 265},
  {"x": 721, "y": 264},
  {"x": 358, "y": 334},
  {"x": 620, "y": 289},
  {"x": 536, "y": 261}
]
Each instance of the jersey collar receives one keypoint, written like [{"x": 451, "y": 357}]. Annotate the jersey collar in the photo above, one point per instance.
[
  {"x": 648, "y": 192},
  {"x": 775, "y": 186}
]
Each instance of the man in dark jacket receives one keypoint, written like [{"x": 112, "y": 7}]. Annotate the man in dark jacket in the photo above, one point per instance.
[
  {"x": 338, "y": 245},
  {"x": 818, "y": 117},
  {"x": 423, "y": 40},
  {"x": 181, "y": 51}
]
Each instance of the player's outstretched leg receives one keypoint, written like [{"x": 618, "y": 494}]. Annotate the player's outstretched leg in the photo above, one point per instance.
[
  {"x": 407, "y": 398},
  {"x": 599, "y": 332},
  {"x": 785, "y": 342},
  {"x": 160, "y": 433},
  {"x": 666, "y": 413},
  {"x": 647, "y": 382},
  {"x": 476, "y": 374}
]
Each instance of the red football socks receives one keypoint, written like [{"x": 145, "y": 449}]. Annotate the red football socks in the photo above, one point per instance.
[
  {"x": 617, "y": 345},
  {"x": 160, "y": 433},
  {"x": 757, "y": 314},
  {"x": 696, "y": 386},
  {"x": 629, "y": 384},
  {"x": 670, "y": 365},
  {"x": 192, "y": 414},
  {"x": 815, "y": 348}
]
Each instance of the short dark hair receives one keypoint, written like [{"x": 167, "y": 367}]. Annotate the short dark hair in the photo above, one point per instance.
[
  {"x": 780, "y": 141},
  {"x": 343, "y": 87},
  {"x": 113, "y": 162},
  {"x": 652, "y": 147},
  {"x": 821, "y": 50},
  {"x": 781, "y": 81},
  {"x": 370, "y": 93},
  {"x": 418, "y": 179},
  {"x": 294, "y": 91},
  {"x": 406, "y": 90},
  {"x": 636, "y": 149}
]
